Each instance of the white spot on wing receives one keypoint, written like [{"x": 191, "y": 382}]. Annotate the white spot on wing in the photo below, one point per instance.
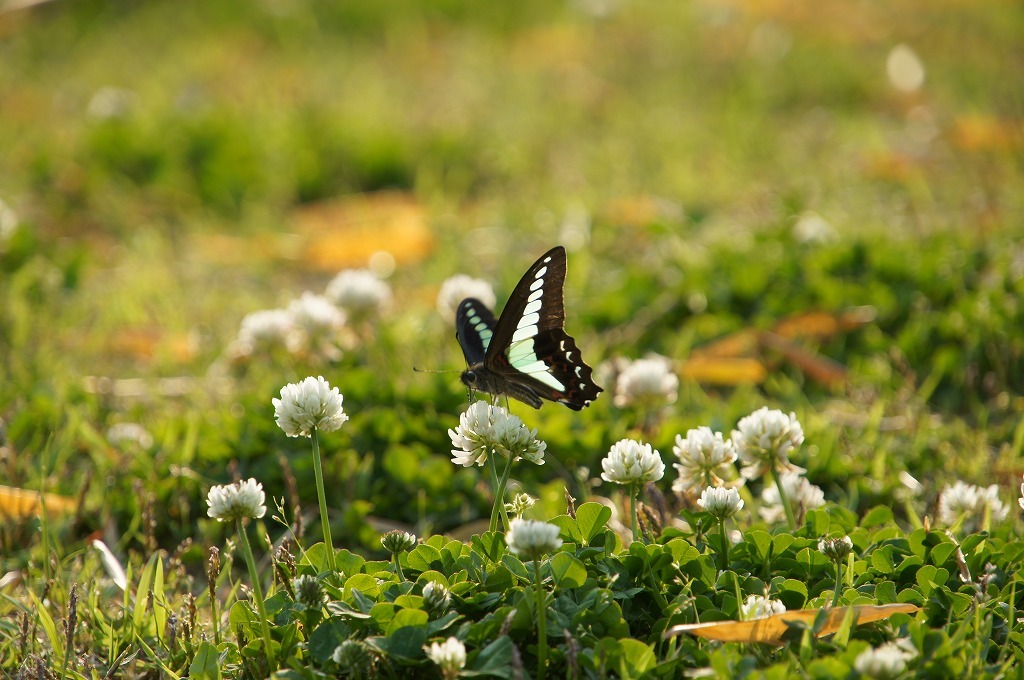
[
  {"x": 532, "y": 308},
  {"x": 536, "y": 284},
  {"x": 536, "y": 295},
  {"x": 524, "y": 333}
]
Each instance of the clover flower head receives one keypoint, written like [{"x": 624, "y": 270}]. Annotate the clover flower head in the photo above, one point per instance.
[
  {"x": 450, "y": 655},
  {"x": 705, "y": 459},
  {"x": 315, "y": 314},
  {"x": 266, "y": 330},
  {"x": 721, "y": 502},
  {"x": 531, "y": 539},
  {"x": 309, "y": 591},
  {"x": 485, "y": 429},
  {"x": 309, "y": 405},
  {"x": 764, "y": 440},
  {"x": 760, "y": 607},
  {"x": 883, "y": 662},
  {"x": 971, "y": 503},
  {"x": 632, "y": 462},
  {"x": 518, "y": 441},
  {"x": 8, "y": 221},
  {"x": 649, "y": 382},
  {"x": 352, "y": 656},
  {"x": 836, "y": 549},
  {"x": 396, "y": 541},
  {"x": 802, "y": 495},
  {"x": 520, "y": 504},
  {"x": 240, "y": 500},
  {"x": 318, "y": 322},
  {"x": 1020, "y": 501},
  {"x": 129, "y": 434},
  {"x": 359, "y": 292},
  {"x": 436, "y": 596},
  {"x": 459, "y": 287},
  {"x": 811, "y": 228},
  {"x": 988, "y": 499}
]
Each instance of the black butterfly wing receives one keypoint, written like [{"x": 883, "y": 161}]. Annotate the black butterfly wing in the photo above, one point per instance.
[
  {"x": 474, "y": 328},
  {"x": 529, "y": 346}
]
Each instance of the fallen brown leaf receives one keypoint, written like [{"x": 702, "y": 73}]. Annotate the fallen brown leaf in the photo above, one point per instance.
[
  {"x": 771, "y": 629},
  {"x": 17, "y": 503}
]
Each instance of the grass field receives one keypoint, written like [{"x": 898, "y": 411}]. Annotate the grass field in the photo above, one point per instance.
[{"x": 813, "y": 208}]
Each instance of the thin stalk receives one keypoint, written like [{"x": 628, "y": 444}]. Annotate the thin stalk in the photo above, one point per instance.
[
  {"x": 839, "y": 578},
  {"x": 257, "y": 593},
  {"x": 325, "y": 521},
  {"x": 790, "y": 517},
  {"x": 398, "y": 567},
  {"x": 542, "y": 623},
  {"x": 499, "y": 493},
  {"x": 725, "y": 544},
  {"x": 633, "y": 491}
]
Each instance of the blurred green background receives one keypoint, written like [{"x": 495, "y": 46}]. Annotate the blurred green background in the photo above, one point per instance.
[{"x": 168, "y": 167}]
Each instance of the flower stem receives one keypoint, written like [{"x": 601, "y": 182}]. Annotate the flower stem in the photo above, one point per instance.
[
  {"x": 839, "y": 578},
  {"x": 257, "y": 593},
  {"x": 398, "y": 567},
  {"x": 499, "y": 493},
  {"x": 542, "y": 623},
  {"x": 725, "y": 544},
  {"x": 325, "y": 521},
  {"x": 634, "y": 489},
  {"x": 790, "y": 517}
]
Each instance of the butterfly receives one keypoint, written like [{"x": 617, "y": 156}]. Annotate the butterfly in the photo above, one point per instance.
[{"x": 526, "y": 353}]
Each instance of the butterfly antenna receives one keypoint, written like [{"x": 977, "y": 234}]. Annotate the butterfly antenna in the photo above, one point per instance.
[{"x": 427, "y": 370}]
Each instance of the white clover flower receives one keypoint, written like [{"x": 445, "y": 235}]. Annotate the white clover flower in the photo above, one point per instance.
[
  {"x": 396, "y": 541},
  {"x": 531, "y": 539},
  {"x": 359, "y": 292},
  {"x": 764, "y": 439},
  {"x": 811, "y": 228},
  {"x": 520, "y": 504},
  {"x": 309, "y": 591},
  {"x": 266, "y": 330},
  {"x": 129, "y": 434},
  {"x": 319, "y": 320},
  {"x": 519, "y": 441},
  {"x": 705, "y": 459},
  {"x": 721, "y": 502},
  {"x": 308, "y": 405},
  {"x": 240, "y": 500},
  {"x": 352, "y": 656},
  {"x": 989, "y": 496},
  {"x": 647, "y": 382},
  {"x": 884, "y": 662},
  {"x": 802, "y": 495},
  {"x": 8, "y": 221},
  {"x": 450, "y": 655},
  {"x": 970, "y": 503},
  {"x": 436, "y": 596},
  {"x": 836, "y": 549},
  {"x": 959, "y": 499},
  {"x": 111, "y": 102},
  {"x": 485, "y": 429},
  {"x": 459, "y": 287},
  {"x": 632, "y": 462},
  {"x": 760, "y": 607}
]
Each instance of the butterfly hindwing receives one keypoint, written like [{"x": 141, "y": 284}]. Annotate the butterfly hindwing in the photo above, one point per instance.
[
  {"x": 474, "y": 325},
  {"x": 558, "y": 374}
]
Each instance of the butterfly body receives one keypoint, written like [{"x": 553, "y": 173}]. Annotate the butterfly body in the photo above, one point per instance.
[{"x": 526, "y": 353}]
